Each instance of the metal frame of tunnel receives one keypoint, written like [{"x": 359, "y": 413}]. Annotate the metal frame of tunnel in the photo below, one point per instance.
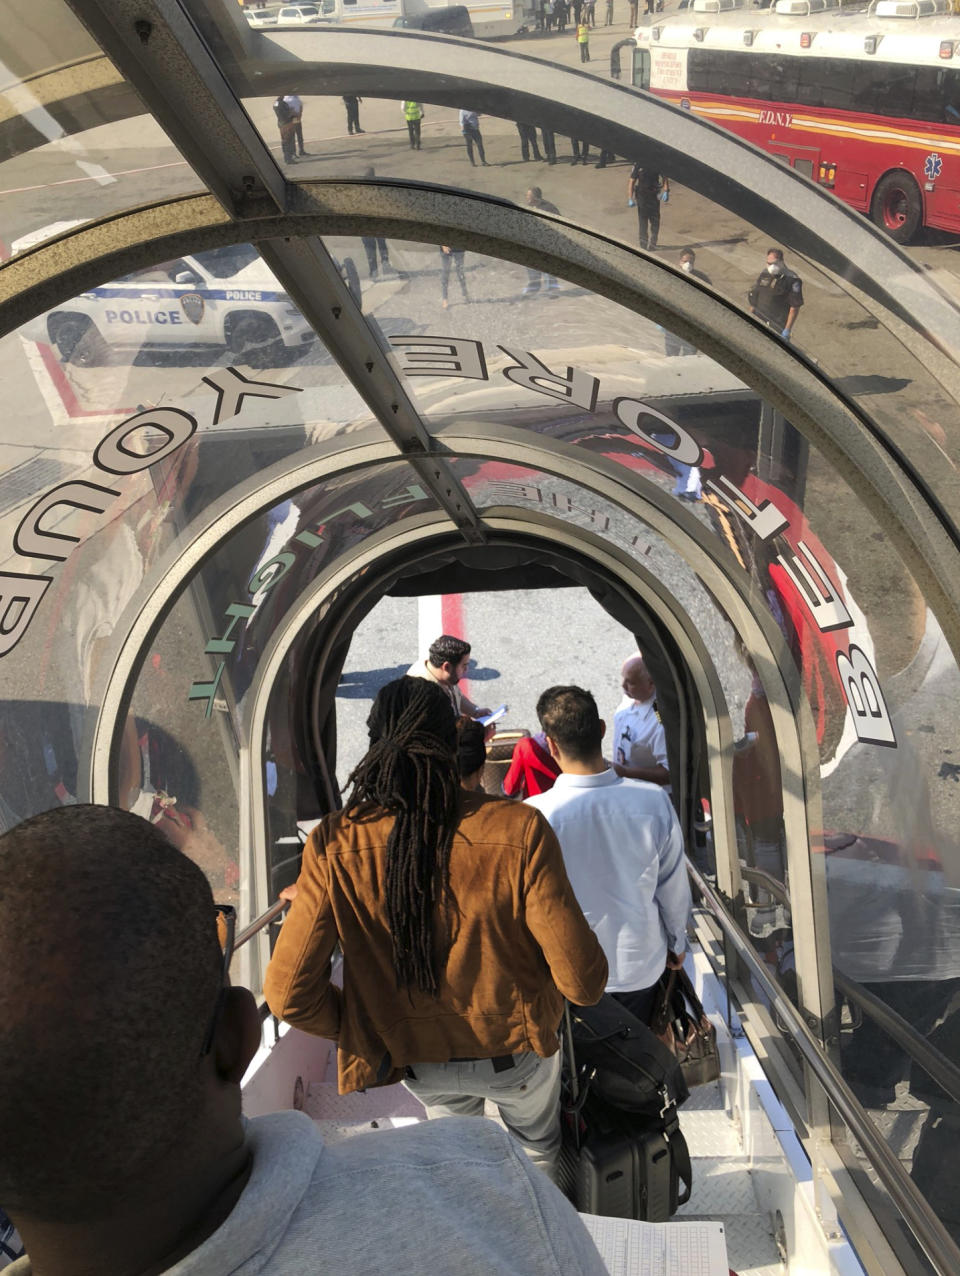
[{"x": 175, "y": 73}]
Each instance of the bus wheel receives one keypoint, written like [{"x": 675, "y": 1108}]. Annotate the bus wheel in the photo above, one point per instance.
[{"x": 897, "y": 207}]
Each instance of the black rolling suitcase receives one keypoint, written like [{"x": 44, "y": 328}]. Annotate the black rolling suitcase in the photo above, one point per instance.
[
  {"x": 621, "y": 1163},
  {"x": 627, "y": 1167}
]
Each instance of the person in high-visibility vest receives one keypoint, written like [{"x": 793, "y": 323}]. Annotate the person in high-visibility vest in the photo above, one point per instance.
[
  {"x": 583, "y": 39},
  {"x": 413, "y": 114}
]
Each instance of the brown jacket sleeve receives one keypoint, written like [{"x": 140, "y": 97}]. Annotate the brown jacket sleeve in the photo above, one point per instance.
[
  {"x": 556, "y": 920},
  {"x": 297, "y": 984}
]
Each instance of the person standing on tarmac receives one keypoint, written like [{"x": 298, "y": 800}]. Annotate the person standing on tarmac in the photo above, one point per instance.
[
  {"x": 470, "y": 128},
  {"x": 287, "y": 125},
  {"x": 535, "y": 277},
  {"x": 295, "y": 104},
  {"x": 674, "y": 345},
  {"x": 446, "y": 664},
  {"x": 528, "y": 142},
  {"x": 777, "y": 295},
  {"x": 648, "y": 189},
  {"x": 352, "y": 103},
  {"x": 583, "y": 39},
  {"x": 413, "y": 114},
  {"x": 455, "y": 963},
  {"x": 451, "y": 257}
]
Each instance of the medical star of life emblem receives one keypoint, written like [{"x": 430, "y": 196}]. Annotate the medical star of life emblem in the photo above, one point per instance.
[
  {"x": 192, "y": 305},
  {"x": 932, "y": 166}
]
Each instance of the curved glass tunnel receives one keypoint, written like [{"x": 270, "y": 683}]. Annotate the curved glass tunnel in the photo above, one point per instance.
[{"x": 260, "y": 418}]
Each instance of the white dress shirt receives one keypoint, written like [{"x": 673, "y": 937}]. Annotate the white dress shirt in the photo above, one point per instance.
[
  {"x": 638, "y": 736},
  {"x": 623, "y": 852}
]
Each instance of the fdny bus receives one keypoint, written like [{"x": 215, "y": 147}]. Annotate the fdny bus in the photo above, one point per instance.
[{"x": 865, "y": 103}]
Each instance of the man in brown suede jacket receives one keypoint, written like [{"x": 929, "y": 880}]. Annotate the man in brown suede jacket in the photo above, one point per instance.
[{"x": 460, "y": 933}]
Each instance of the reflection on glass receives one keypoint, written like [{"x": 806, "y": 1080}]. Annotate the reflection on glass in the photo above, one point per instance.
[{"x": 76, "y": 144}]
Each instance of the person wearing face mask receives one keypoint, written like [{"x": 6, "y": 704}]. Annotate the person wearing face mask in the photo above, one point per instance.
[
  {"x": 777, "y": 295},
  {"x": 674, "y": 345}
]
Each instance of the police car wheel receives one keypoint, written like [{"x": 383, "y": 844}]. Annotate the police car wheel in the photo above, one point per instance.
[
  {"x": 256, "y": 337},
  {"x": 77, "y": 340}
]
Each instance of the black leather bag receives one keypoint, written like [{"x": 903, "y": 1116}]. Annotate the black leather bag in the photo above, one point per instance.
[
  {"x": 623, "y": 1153},
  {"x": 680, "y": 1024},
  {"x": 621, "y": 1062}
]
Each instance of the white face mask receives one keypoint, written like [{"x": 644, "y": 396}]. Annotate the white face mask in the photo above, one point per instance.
[
  {"x": 774, "y": 268},
  {"x": 687, "y": 266}
]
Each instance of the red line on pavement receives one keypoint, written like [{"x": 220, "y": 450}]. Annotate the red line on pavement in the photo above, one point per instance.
[
  {"x": 71, "y": 403},
  {"x": 452, "y": 622}
]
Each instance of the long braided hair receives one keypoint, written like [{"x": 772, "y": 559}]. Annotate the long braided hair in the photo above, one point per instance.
[{"x": 410, "y": 770}]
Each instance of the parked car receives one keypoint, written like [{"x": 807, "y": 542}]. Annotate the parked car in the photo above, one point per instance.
[
  {"x": 301, "y": 15},
  {"x": 261, "y": 17}
]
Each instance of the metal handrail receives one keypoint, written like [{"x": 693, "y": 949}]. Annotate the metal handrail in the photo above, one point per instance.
[
  {"x": 937, "y": 1066},
  {"x": 933, "y": 1237},
  {"x": 259, "y": 923}
]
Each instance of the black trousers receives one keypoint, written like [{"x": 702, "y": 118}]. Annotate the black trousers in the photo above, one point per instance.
[
  {"x": 528, "y": 140},
  {"x": 639, "y": 1003},
  {"x": 581, "y": 150},
  {"x": 353, "y": 114},
  {"x": 454, "y": 259},
  {"x": 549, "y": 145},
  {"x": 413, "y": 128},
  {"x": 648, "y": 216},
  {"x": 370, "y": 245},
  {"x": 472, "y": 138}
]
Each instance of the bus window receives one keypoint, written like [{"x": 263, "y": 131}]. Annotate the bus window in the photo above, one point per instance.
[
  {"x": 641, "y": 69},
  {"x": 893, "y": 90},
  {"x": 823, "y": 82}
]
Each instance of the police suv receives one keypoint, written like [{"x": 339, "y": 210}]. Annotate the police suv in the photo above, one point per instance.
[{"x": 221, "y": 297}]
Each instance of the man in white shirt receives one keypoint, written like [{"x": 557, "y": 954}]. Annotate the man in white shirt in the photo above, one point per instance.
[
  {"x": 446, "y": 664},
  {"x": 622, "y": 848},
  {"x": 639, "y": 741}
]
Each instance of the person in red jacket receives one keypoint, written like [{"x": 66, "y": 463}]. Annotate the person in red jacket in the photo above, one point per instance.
[{"x": 532, "y": 769}]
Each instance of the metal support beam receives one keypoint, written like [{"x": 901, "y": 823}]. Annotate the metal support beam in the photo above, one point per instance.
[{"x": 314, "y": 283}]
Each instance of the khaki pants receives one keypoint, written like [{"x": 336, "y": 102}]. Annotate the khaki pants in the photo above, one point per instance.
[{"x": 527, "y": 1097}]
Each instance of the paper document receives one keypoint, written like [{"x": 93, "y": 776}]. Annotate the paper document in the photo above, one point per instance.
[
  {"x": 630, "y": 1248},
  {"x": 494, "y": 717}
]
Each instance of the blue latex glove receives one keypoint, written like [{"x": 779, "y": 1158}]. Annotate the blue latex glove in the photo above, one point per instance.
[
  {"x": 785, "y": 334},
  {"x": 664, "y": 197},
  {"x": 631, "y": 203}
]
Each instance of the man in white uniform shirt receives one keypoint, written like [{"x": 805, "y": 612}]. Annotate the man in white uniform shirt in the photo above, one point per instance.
[
  {"x": 445, "y": 664},
  {"x": 622, "y": 848},
  {"x": 639, "y": 741}
]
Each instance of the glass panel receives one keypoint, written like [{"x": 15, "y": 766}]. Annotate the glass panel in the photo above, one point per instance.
[
  {"x": 75, "y": 142},
  {"x": 847, "y": 340},
  {"x": 96, "y": 487},
  {"x": 193, "y": 686}
]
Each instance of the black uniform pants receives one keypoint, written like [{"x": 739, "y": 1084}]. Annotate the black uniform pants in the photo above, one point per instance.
[
  {"x": 353, "y": 115},
  {"x": 648, "y": 216},
  {"x": 528, "y": 141}
]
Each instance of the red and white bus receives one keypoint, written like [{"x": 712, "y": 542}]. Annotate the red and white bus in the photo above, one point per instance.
[{"x": 865, "y": 102}]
